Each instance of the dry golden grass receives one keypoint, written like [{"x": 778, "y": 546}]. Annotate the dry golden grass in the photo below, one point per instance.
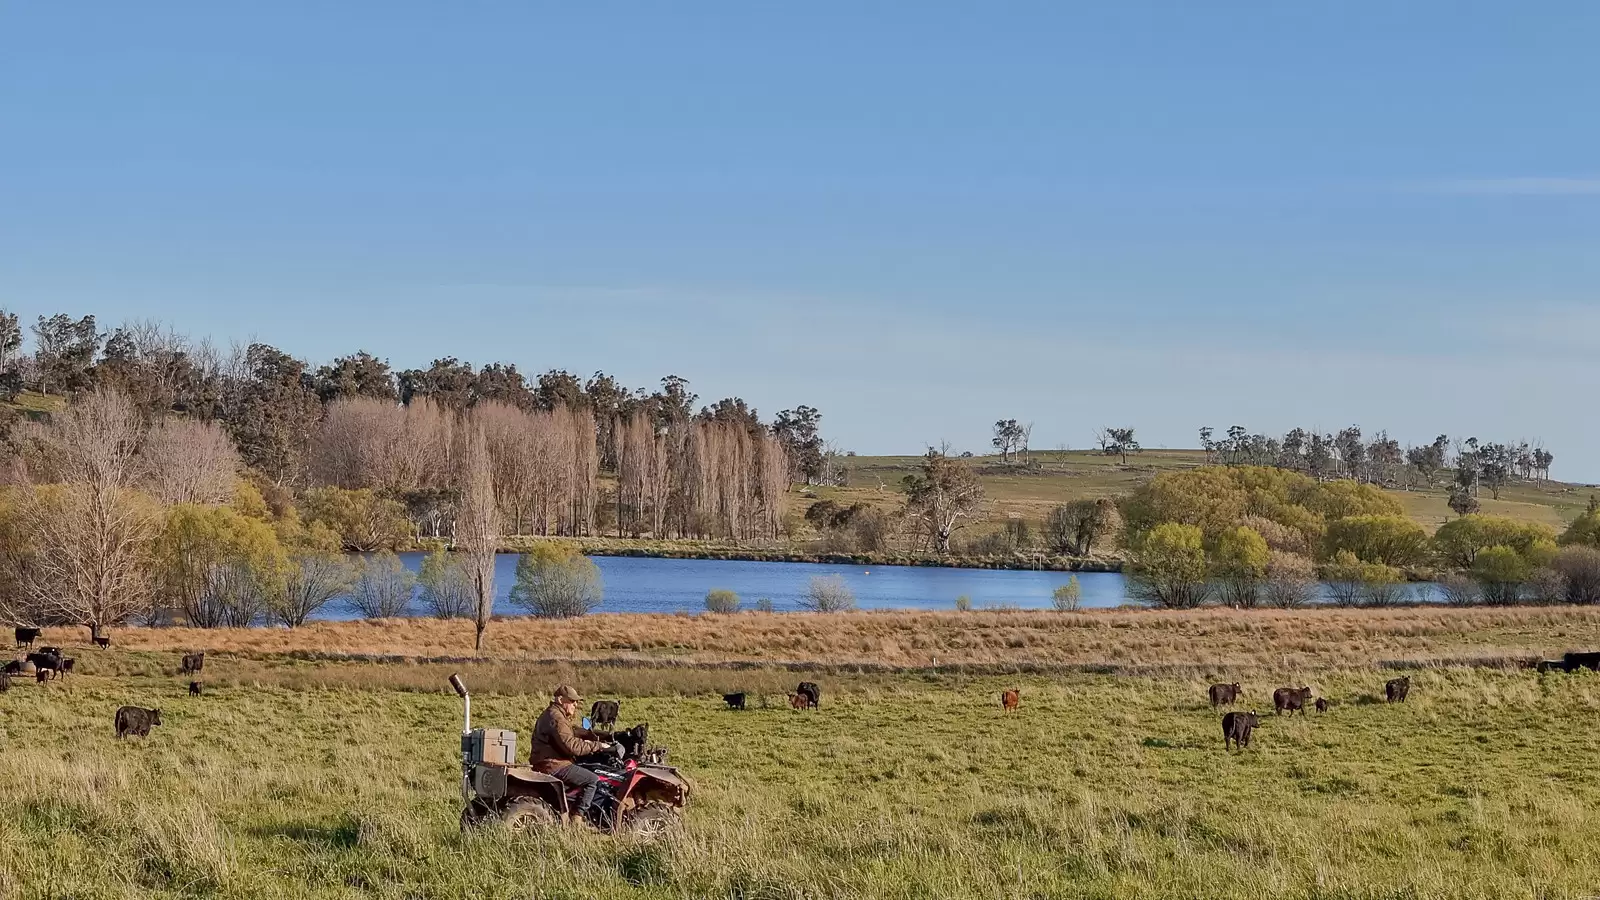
[{"x": 1113, "y": 640}]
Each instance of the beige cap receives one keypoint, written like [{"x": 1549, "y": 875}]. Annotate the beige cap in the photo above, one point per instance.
[{"x": 568, "y": 692}]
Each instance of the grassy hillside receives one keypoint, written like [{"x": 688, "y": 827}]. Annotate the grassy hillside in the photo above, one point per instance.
[
  {"x": 1059, "y": 476},
  {"x": 900, "y": 786}
]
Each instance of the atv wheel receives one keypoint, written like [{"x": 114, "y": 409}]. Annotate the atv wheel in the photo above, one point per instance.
[
  {"x": 527, "y": 813},
  {"x": 650, "y": 821}
]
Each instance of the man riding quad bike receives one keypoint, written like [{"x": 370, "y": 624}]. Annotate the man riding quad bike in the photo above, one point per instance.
[{"x": 625, "y": 795}]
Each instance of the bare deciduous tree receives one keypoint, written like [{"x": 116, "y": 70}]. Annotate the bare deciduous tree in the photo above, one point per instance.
[
  {"x": 92, "y": 533},
  {"x": 477, "y": 522},
  {"x": 188, "y": 461}
]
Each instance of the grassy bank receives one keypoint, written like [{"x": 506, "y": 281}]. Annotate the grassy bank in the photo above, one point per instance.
[
  {"x": 899, "y": 787},
  {"x": 1113, "y": 640}
]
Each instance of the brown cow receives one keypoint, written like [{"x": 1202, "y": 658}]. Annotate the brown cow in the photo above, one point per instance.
[
  {"x": 1236, "y": 727},
  {"x": 136, "y": 721},
  {"x": 798, "y": 701},
  {"x": 1395, "y": 691},
  {"x": 1291, "y": 699},
  {"x": 1224, "y": 694},
  {"x": 1010, "y": 700}
]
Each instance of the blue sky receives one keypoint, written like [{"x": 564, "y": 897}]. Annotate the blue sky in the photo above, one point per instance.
[{"x": 919, "y": 218}]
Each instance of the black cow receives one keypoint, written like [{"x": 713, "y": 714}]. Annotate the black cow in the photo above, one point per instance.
[
  {"x": 66, "y": 665},
  {"x": 734, "y": 701},
  {"x": 26, "y": 636},
  {"x": 15, "y": 667},
  {"x": 1395, "y": 690},
  {"x": 194, "y": 688},
  {"x": 103, "y": 642},
  {"x": 136, "y": 721},
  {"x": 811, "y": 692},
  {"x": 1236, "y": 727},
  {"x": 1322, "y": 704},
  {"x": 1224, "y": 694},
  {"x": 43, "y": 675},
  {"x": 193, "y": 663},
  {"x": 633, "y": 740},
  {"x": 1290, "y": 699},
  {"x": 603, "y": 714},
  {"x": 44, "y": 661}
]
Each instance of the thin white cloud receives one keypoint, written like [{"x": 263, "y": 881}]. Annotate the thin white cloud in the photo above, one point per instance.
[{"x": 1520, "y": 187}]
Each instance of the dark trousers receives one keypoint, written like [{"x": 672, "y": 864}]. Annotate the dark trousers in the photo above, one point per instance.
[{"x": 578, "y": 776}]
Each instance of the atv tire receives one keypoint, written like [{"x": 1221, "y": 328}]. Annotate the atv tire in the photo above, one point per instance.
[
  {"x": 527, "y": 813},
  {"x": 650, "y": 821}
]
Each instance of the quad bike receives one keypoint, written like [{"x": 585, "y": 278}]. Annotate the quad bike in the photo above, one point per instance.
[{"x": 634, "y": 797}]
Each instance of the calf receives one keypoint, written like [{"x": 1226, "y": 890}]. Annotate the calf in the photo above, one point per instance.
[
  {"x": 1224, "y": 694},
  {"x": 194, "y": 688},
  {"x": 1322, "y": 704},
  {"x": 136, "y": 721},
  {"x": 734, "y": 701},
  {"x": 43, "y": 675},
  {"x": 1236, "y": 727},
  {"x": 193, "y": 663},
  {"x": 811, "y": 692},
  {"x": 103, "y": 642},
  {"x": 1395, "y": 690},
  {"x": 633, "y": 740},
  {"x": 66, "y": 666},
  {"x": 799, "y": 701},
  {"x": 15, "y": 667},
  {"x": 1010, "y": 700},
  {"x": 1291, "y": 699},
  {"x": 26, "y": 636},
  {"x": 603, "y": 714}
]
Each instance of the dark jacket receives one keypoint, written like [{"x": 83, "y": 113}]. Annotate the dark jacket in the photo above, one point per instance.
[{"x": 556, "y": 744}]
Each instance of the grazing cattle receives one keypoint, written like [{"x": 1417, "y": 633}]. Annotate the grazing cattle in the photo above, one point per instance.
[
  {"x": 44, "y": 675},
  {"x": 633, "y": 740},
  {"x": 1322, "y": 704},
  {"x": 26, "y": 636},
  {"x": 136, "y": 721},
  {"x": 66, "y": 665},
  {"x": 811, "y": 692},
  {"x": 1236, "y": 727},
  {"x": 1290, "y": 699},
  {"x": 1395, "y": 690},
  {"x": 603, "y": 714},
  {"x": 734, "y": 701},
  {"x": 14, "y": 667},
  {"x": 194, "y": 688},
  {"x": 44, "y": 660},
  {"x": 799, "y": 701},
  {"x": 103, "y": 642},
  {"x": 1010, "y": 700},
  {"x": 1224, "y": 694},
  {"x": 193, "y": 663}
]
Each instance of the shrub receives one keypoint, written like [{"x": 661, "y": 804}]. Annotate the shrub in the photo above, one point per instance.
[
  {"x": 1580, "y": 566},
  {"x": 765, "y": 605},
  {"x": 384, "y": 588},
  {"x": 307, "y": 583},
  {"x": 447, "y": 589},
  {"x": 721, "y": 601},
  {"x": 963, "y": 603},
  {"x": 871, "y": 528},
  {"x": 1168, "y": 567},
  {"x": 1352, "y": 582},
  {"x": 1501, "y": 573},
  {"x": 1584, "y": 531},
  {"x": 1291, "y": 581},
  {"x": 1459, "y": 590},
  {"x": 555, "y": 581},
  {"x": 1458, "y": 541},
  {"x": 1068, "y": 597},
  {"x": 1239, "y": 563},
  {"x": 1547, "y": 585},
  {"x": 1076, "y": 528},
  {"x": 828, "y": 594},
  {"x": 1388, "y": 540}
]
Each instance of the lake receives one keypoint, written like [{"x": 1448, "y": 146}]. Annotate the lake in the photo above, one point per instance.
[{"x": 639, "y": 584}]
